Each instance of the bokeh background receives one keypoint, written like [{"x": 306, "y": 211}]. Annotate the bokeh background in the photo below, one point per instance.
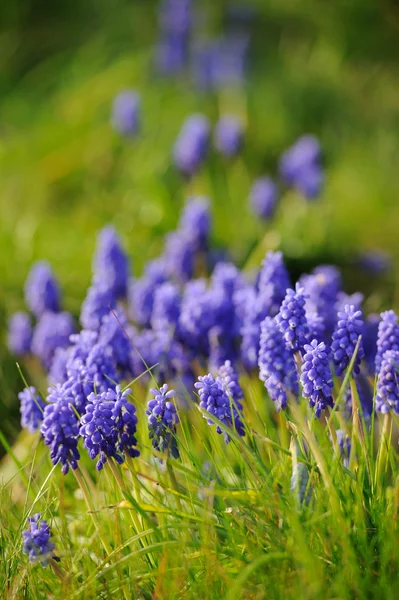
[{"x": 327, "y": 68}]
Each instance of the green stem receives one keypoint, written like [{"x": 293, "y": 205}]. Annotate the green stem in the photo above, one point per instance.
[
  {"x": 82, "y": 485},
  {"x": 174, "y": 483},
  {"x": 384, "y": 446}
]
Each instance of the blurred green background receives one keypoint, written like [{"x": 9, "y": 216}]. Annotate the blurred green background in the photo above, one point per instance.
[{"x": 331, "y": 69}]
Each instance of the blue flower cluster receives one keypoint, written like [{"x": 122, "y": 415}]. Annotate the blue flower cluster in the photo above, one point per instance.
[
  {"x": 215, "y": 400},
  {"x": 162, "y": 421},
  {"x": 316, "y": 377},
  {"x": 36, "y": 541},
  {"x": 349, "y": 329},
  {"x": 300, "y": 166},
  {"x": 108, "y": 427},
  {"x": 387, "y": 396},
  {"x": 60, "y": 430},
  {"x": 31, "y": 409},
  {"x": 291, "y": 319},
  {"x": 192, "y": 144}
]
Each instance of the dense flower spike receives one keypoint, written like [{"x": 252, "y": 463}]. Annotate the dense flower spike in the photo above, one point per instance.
[
  {"x": 125, "y": 116},
  {"x": 108, "y": 426},
  {"x": 36, "y": 541},
  {"x": 175, "y": 17},
  {"x": 19, "y": 334},
  {"x": 387, "y": 396},
  {"x": 215, "y": 401},
  {"x": 322, "y": 289},
  {"x": 273, "y": 281},
  {"x": 110, "y": 264},
  {"x": 162, "y": 421},
  {"x": 166, "y": 310},
  {"x": 316, "y": 377},
  {"x": 141, "y": 292},
  {"x": 263, "y": 197},
  {"x": 291, "y": 319},
  {"x": 31, "y": 409},
  {"x": 195, "y": 222},
  {"x": 388, "y": 336},
  {"x": 192, "y": 144},
  {"x": 179, "y": 255},
  {"x": 41, "y": 290},
  {"x": 345, "y": 337},
  {"x": 228, "y": 377},
  {"x": 60, "y": 430},
  {"x": 115, "y": 333},
  {"x": 300, "y": 166},
  {"x": 51, "y": 332},
  {"x": 196, "y": 317},
  {"x": 99, "y": 302},
  {"x": 277, "y": 368},
  {"x": 229, "y": 135}
]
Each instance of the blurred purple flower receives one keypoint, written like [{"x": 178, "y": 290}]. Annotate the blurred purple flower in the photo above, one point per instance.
[
  {"x": 263, "y": 197},
  {"x": 125, "y": 116},
  {"x": 229, "y": 135}
]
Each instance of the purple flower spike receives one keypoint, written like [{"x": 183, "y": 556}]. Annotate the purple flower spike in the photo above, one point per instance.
[
  {"x": 291, "y": 319},
  {"x": 41, "y": 290},
  {"x": 19, "y": 335},
  {"x": 229, "y": 136},
  {"x": 125, "y": 116},
  {"x": 162, "y": 421},
  {"x": 31, "y": 409},
  {"x": 345, "y": 337},
  {"x": 192, "y": 144},
  {"x": 36, "y": 541},
  {"x": 263, "y": 197},
  {"x": 60, "y": 430},
  {"x": 110, "y": 264},
  {"x": 388, "y": 336},
  {"x": 316, "y": 377},
  {"x": 387, "y": 397},
  {"x": 109, "y": 425}
]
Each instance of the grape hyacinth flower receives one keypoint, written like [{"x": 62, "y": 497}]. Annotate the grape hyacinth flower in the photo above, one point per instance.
[
  {"x": 316, "y": 377},
  {"x": 196, "y": 317},
  {"x": 273, "y": 281},
  {"x": 179, "y": 255},
  {"x": 215, "y": 401},
  {"x": 229, "y": 136},
  {"x": 322, "y": 289},
  {"x": 191, "y": 146},
  {"x": 36, "y": 541},
  {"x": 387, "y": 396},
  {"x": 388, "y": 336},
  {"x": 99, "y": 302},
  {"x": 291, "y": 319},
  {"x": 277, "y": 368},
  {"x": 175, "y": 18},
  {"x": 19, "y": 334},
  {"x": 109, "y": 425},
  {"x": 125, "y": 116},
  {"x": 141, "y": 292},
  {"x": 162, "y": 421},
  {"x": 300, "y": 166},
  {"x": 31, "y": 409},
  {"x": 228, "y": 377},
  {"x": 110, "y": 263},
  {"x": 263, "y": 197},
  {"x": 51, "y": 332},
  {"x": 60, "y": 430},
  {"x": 195, "y": 222},
  {"x": 166, "y": 309},
  {"x": 345, "y": 338},
  {"x": 114, "y": 333},
  {"x": 41, "y": 290}
]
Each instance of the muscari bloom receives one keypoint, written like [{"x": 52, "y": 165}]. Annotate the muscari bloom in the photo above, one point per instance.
[
  {"x": 195, "y": 222},
  {"x": 291, "y": 319},
  {"x": 388, "y": 336},
  {"x": 42, "y": 293},
  {"x": 125, "y": 116},
  {"x": 60, "y": 430},
  {"x": 387, "y": 396},
  {"x": 110, "y": 263},
  {"x": 52, "y": 331},
  {"x": 99, "y": 301},
  {"x": 228, "y": 377},
  {"x": 31, "y": 409},
  {"x": 179, "y": 256},
  {"x": 36, "y": 541},
  {"x": 345, "y": 337},
  {"x": 300, "y": 166},
  {"x": 263, "y": 197},
  {"x": 273, "y": 281},
  {"x": 215, "y": 400},
  {"x": 141, "y": 292},
  {"x": 115, "y": 333},
  {"x": 19, "y": 335},
  {"x": 191, "y": 146},
  {"x": 229, "y": 135},
  {"x": 109, "y": 425},
  {"x": 196, "y": 317},
  {"x": 316, "y": 377},
  {"x": 322, "y": 288},
  {"x": 277, "y": 368},
  {"x": 166, "y": 309},
  {"x": 162, "y": 421}
]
